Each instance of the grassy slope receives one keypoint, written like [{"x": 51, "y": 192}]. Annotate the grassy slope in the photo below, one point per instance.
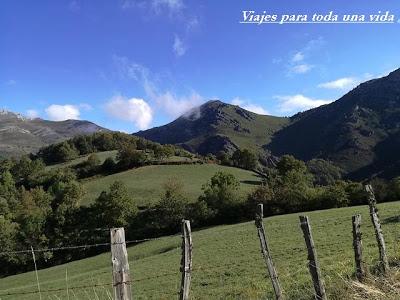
[
  {"x": 227, "y": 260},
  {"x": 145, "y": 184},
  {"x": 101, "y": 155},
  {"x": 261, "y": 129}
]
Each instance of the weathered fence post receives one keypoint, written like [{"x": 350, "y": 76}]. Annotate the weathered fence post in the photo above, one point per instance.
[
  {"x": 357, "y": 245},
  {"x": 373, "y": 211},
  {"x": 266, "y": 252},
  {"x": 120, "y": 265},
  {"x": 313, "y": 264},
  {"x": 186, "y": 261}
]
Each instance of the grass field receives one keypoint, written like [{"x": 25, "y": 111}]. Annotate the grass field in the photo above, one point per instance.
[
  {"x": 145, "y": 184},
  {"x": 227, "y": 263},
  {"x": 101, "y": 155}
]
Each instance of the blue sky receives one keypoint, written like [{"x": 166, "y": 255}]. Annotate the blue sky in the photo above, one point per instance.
[{"x": 134, "y": 64}]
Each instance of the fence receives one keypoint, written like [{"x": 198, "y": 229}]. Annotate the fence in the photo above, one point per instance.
[{"x": 240, "y": 261}]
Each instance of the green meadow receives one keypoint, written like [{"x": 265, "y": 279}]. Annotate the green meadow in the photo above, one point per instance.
[
  {"x": 145, "y": 184},
  {"x": 227, "y": 263}
]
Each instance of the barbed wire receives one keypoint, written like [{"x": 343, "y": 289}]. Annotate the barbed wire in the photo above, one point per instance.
[{"x": 79, "y": 246}]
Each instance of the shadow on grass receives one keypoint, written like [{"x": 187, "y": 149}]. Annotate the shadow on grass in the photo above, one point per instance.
[
  {"x": 251, "y": 182},
  {"x": 393, "y": 219}
]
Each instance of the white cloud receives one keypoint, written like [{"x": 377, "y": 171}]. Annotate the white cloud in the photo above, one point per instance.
[
  {"x": 344, "y": 83},
  {"x": 249, "y": 106},
  {"x": 296, "y": 103},
  {"x": 57, "y": 112},
  {"x": 298, "y": 64},
  {"x": 178, "y": 46},
  {"x": 32, "y": 113},
  {"x": 177, "y": 106},
  {"x": 133, "y": 110},
  {"x": 299, "y": 56},
  {"x": 301, "y": 69},
  {"x": 169, "y": 102},
  {"x": 171, "y": 5}
]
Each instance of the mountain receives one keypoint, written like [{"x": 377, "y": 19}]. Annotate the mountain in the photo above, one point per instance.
[
  {"x": 360, "y": 132},
  {"x": 20, "y": 135},
  {"x": 216, "y": 126}
]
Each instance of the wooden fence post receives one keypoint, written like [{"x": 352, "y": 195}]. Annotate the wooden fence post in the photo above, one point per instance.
[
  {"x": 357, "y": 245},
  {"x": 313, "y": 264},
  {"x": 373, "y": 211},
  {"x": 120, "y": 265},
  {"x": 266, "y": 252},
  {"x": 186, "y": 261}
]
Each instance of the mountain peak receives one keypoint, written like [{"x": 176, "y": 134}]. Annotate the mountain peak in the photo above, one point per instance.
[{"x": 394, "y": 74}]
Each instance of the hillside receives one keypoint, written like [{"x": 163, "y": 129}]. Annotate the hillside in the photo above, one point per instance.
[
  {"x": 360, "y": 132},
  {"x": 145, "y": 184},
  {"x": 234, "y": 270},
  {"x": 20, "y": 135},
  {"x": 216, "y": 126}
]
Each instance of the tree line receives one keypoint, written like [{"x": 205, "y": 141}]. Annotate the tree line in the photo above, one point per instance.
[{"x": 40, "y": 207}]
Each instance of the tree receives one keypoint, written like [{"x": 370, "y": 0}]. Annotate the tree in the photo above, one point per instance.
[
  {"x": 221, "y": 192},
  {"x": 334, "y": 196},
  {"x": 244, "y": 159},
  {"x": 7, "y": 186},
  {"x": 325, "y": 172},
  {"x": 32, "y": 212},
  {"x": 172, "y": 207},
  {"x": 263, "y": 194},
  {"x": 67, "y": 198},
  {"x": 288, "y": 163},
  {"x": 116, "y": 207},
  {"x": 394, "y": 189},
  {"x": 163, "y": 152},
  {"x": 128, "y": 157},
  {"x": 108, "y": 165}
]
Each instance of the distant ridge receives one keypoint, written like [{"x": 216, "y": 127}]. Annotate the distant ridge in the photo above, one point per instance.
[{"x": 20, "y": 135}]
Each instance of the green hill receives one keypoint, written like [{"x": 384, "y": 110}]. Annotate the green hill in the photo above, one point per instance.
[
  {"x": 216, "y": 126},
  {"x": 227, "y": 262},
  {"x": 145, "y": 184}
]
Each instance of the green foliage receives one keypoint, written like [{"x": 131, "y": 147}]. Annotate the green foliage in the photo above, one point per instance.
[
  {"x": 7, "y": 186},
  {"x": 32, "y": 212},
  {"x": 163, "y": 152},
  {"x": 394, "y": 189},
  {"x": 230, "y": 254},
  {"x": 115, "y": 208},
  {"x": 129, "y": 157},
  {"x": 172, "y": 207},
  {"x": 244, "y": 159},
  {"x": 220, "y": 193},
  {"x": 67, "y": 197},
  {"x": 289, "y": 164},
  {"x": 324, "y": 172},
  {"x": 108, "y": 165}
]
